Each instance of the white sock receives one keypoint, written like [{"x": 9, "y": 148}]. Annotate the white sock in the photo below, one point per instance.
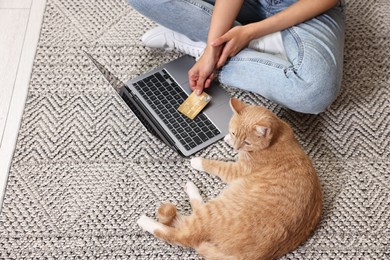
[{"x": 271, "y": 43}]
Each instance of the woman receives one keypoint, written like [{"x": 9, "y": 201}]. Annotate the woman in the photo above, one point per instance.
[{"x": 288, "y": 51}]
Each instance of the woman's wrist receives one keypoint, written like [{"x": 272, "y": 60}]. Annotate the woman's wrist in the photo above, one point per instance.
[
  {"x": 254, "y": 31},
  {"x": 213, "y": 51}
]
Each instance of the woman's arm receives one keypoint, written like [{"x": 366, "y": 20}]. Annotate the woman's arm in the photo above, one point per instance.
[
  {"x": 239, "y": 37},
  {"x": 222, "y": 19}
]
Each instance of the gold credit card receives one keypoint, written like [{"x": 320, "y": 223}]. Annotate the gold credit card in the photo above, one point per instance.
[{"x": 192, "y": 106}]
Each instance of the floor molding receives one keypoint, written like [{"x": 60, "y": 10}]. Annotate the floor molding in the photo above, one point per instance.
[{"x": 20, "y": 87}]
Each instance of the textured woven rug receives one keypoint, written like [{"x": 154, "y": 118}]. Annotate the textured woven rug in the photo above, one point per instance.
[{"x": 84, "y": 168}]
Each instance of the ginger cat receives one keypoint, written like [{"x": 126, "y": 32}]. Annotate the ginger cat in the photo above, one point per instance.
[{"x": 271, "y": 205}]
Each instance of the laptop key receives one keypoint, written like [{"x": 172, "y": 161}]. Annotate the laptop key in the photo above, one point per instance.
[
  {"x": 203, "y": 136},
  {"x": 141, "y": 84},
  {"x": 197, "y": 140},
  {"x": 216, "y": 132},
  {"x": 210, "y": 134},
  {"x": 192, "y": 144},
  {"x": 159, "y": 77}
]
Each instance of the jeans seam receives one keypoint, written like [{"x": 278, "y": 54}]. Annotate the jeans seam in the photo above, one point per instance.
[
  {"x": 262, "y": 61},
  {"x": 301, "y": 48},
  {"x": 202, "y": 7},
  {"x": 256, "y": 60},
  {"x": 275, "y": 2}
]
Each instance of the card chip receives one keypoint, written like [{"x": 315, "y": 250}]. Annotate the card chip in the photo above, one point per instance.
[{"x": 194, "y": 104}]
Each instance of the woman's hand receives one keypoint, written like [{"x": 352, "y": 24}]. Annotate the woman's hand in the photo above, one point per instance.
[
  {"x": 215, "y": 56},
  {"x": 232, "y": 42},
  {"x": 203, "y": 72}
]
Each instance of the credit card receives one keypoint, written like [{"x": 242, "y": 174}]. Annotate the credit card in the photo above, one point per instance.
[{"x": 194, "y": 104}]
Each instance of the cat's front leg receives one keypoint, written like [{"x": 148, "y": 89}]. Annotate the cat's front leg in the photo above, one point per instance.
[{"x": 227, "y": 171}]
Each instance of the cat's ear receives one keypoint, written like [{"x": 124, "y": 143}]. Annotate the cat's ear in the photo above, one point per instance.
[
  {"x": 263, "y": 130},
  {"x": 237, "y": 106}
]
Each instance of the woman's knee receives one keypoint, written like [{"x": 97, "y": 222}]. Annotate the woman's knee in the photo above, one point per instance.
[
  {"x": 317, "y": 82},
  {"x": 315, "y": 96}
]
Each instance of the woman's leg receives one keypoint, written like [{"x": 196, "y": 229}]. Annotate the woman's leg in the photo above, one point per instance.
[
  {"x": 310, "y": 80},
  {"x": 190, "y": 17}
]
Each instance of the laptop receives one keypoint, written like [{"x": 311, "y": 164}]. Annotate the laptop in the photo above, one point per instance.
[{"x": 155, "y": 96}]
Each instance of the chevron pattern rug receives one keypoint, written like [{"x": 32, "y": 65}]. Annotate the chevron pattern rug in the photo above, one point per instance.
[{"x": 85, "y": 168}]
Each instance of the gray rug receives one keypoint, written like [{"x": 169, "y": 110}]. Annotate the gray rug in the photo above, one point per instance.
[{"x": 85, "y": 168}]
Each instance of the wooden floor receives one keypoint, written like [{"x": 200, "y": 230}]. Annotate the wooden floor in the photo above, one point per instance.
[{"x": 20, "y": 24}]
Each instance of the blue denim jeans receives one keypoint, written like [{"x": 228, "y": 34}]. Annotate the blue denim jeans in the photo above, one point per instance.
[{"x": 308, "y": 82}]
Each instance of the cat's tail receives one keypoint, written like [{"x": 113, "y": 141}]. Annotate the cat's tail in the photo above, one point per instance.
[{"x": 166, "y": 214}]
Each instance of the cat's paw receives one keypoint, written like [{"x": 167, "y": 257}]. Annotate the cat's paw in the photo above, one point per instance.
[
  {"x": 192, "y": 191},
  {"x": 228, "y": 139},
  {"x": 196, "y": 163},
  {"x": 148, "y": 224}
]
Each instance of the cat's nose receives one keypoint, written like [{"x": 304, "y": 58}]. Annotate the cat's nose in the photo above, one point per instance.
[{"x": 237, "y": 147}]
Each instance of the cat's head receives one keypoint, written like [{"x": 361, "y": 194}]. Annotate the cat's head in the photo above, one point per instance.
[{"x": 251, "y": 128}]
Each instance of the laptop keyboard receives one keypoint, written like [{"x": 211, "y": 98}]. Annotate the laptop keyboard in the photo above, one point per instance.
[{"x": 164, "y": 95}]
